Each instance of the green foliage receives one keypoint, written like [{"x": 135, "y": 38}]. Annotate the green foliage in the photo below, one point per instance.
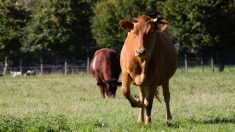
[
  {"x": 107, "y": 14},
  {"x": 37, "y": 122},
  {"x": 82, "y": 40},
  {"x": 201, "y": 27},
  {"x": 76, "y": 28},
  {"x": 57, "y": 25},
  {"x": 196, "y": 25},
  {"x": 50, "y": 27},
  {"x": 12, "y": 22}
]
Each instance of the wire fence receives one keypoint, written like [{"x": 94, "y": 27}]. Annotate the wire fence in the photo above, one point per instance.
[
  {"x": 58, "y": 67},
  {"x": 188, "y": 62},
  {"x": 75, "y": 67}
]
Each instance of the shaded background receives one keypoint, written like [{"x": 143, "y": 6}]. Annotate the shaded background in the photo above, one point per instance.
[{"x": 51, "y": 31}]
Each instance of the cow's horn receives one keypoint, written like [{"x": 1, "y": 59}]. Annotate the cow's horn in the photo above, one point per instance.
[{"x": 155, "y": 20}]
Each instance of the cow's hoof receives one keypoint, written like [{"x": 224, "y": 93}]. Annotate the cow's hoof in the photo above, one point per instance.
[
  {"x": 169, "y": 118},
  {"x": 137, "y": 104},
  {"x": 140, "y": 121},
  {"x": 148, "y": 121},
  {"x": 140, "y": 104},
  {"x": 169, "y": 123}
]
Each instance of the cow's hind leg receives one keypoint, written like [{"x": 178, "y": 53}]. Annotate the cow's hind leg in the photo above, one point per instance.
[
  {"x": 166, "y": 94},
  {"x": 126, "y": 81},
  {"x": 148, "y": 102}
]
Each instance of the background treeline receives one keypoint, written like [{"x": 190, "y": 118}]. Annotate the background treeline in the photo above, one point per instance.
[{"x": 73, "y": 29}]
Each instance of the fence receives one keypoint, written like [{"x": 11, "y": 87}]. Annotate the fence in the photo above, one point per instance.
[
  {"x": 187, "y": 62},
  {"x": 75, "y": 67},
  {"x": 60, "y": 67}
]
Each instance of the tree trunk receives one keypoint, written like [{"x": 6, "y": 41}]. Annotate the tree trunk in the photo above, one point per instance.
[{"x": 220, "y": 62}]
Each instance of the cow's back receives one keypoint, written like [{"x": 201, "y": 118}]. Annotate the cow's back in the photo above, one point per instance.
[{"x": 105, "y": 64}]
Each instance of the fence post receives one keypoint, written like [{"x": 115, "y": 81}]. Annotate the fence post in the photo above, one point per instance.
[
  {"x": 185, "y": 63},
  {"x": 41, "y": 66},
  {"x": 65, "y": 67},
  {"x": 5, "y": 66},
  {"x": 88, "y": 65},
  {"x": 202, "y": 65},
  {"x": 212, "y": 64}
]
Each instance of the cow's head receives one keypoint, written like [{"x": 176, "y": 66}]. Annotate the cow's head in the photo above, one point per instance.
[
  {"x": 109, "y": 87},
  {"x": 143, "y": 30}
]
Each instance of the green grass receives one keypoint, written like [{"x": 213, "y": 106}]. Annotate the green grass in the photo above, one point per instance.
[{"x": 199, "y": 102}]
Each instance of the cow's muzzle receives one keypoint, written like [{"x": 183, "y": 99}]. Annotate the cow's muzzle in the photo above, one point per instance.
[{"x": 140, "y": 53}]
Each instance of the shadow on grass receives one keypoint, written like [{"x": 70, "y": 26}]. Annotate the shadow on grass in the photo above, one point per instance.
[
  {"x": 172, "y": 124},
  {"x": 101, "y": 125},
  {"x": 217, "y": 120}
]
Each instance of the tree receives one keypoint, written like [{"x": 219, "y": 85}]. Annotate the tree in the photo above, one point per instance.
[
  {"x": 201, "y": 27},
  {"x": 83, "y": 42},
  {"x": 105, "y": 28},
  {"x": 59, "y": 28},
  {"x": 12, "y": 22},
  {"x": 50, "y": 28}
]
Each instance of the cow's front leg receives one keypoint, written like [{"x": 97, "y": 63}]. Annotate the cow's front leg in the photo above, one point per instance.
[
  {"x": 126, "y": 81},
  {"x": 142, "y": 109},
  {"x": 102, "y": 89}
]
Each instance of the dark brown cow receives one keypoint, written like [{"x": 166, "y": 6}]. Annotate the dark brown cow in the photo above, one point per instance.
[
  {"x": 148, "y": 59},
  {"x": 105, "y": 67}
]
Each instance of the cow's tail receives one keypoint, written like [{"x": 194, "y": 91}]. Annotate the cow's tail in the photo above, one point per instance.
[{"x": 157, "y": 95}]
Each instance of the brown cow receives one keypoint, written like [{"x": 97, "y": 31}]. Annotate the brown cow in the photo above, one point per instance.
[
  {"x": 148, "y": 59},
  {"x": 105, "y": 67}
]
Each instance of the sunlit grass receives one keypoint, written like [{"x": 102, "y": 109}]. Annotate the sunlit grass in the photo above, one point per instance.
[{"x": 199, "y": 101}]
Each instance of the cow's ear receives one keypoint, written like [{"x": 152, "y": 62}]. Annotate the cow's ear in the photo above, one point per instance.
[
  {"x": 126, "y": 25},
  {"x": 162, "y": 25},
  {"x": 119, "y": 83}
]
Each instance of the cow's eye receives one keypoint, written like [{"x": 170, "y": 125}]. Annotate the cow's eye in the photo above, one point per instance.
[{"x": 135, "y": 33}]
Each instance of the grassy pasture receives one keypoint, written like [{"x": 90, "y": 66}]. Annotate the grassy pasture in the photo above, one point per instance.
[{"x": 199, "y": 102}]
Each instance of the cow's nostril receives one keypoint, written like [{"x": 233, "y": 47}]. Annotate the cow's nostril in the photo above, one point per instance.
[
  {"x": 143, "y": 52},
  {"x": 140, "y": 52}
]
